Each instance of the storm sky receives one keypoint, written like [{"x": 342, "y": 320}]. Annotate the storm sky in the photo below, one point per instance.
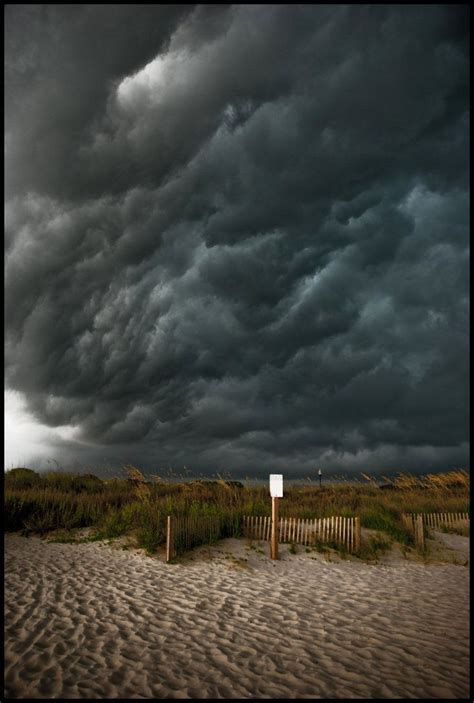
[{"x": 237, "y": 237}]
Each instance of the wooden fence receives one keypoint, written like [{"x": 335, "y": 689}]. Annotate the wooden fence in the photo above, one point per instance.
[
  {"x": 340, "y": 530},
  {"x": 435, "y": 520},
  {"x": 417, "y": 522},
  {"x": 185, "y": 533}
]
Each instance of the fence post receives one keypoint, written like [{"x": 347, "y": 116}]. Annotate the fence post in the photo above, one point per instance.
[
  {"x": 274, "y": 543},
  {"x": 169, "y": 539},
  {"x": 357, "y": 534},
  {"x": 419, "y": 532}
]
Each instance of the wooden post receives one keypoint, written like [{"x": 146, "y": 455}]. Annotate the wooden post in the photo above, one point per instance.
[
  {"x": 274, "y": 544},
  {"x": 357, "y": 534},
  {"x": 169, "y": 539},
  {"x": 420, "y": 534}
]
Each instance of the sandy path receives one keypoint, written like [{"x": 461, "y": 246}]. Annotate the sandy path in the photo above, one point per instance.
[{"x": 90, "y": 621}]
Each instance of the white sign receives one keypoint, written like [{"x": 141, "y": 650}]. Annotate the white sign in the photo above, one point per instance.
[{"x": 276, "y": 485}]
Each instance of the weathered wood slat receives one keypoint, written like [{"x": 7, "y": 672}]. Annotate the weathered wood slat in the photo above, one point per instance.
[{"x": 357, "y": 542}]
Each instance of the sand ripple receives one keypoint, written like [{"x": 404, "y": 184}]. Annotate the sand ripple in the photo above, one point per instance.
[{"x": 87, "y": 621}]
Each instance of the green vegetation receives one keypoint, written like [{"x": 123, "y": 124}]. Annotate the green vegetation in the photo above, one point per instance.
[
  {"x": 374, "y": 547},
  {"x": 41, "y": 503}
]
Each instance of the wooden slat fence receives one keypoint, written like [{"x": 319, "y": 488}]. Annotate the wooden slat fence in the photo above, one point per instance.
[
  {"x": 435, "y": 520},
  {"x": 416, "y": 522},
  {"x": 340, "y": 530},
  {"x": 185, "y": 533}
]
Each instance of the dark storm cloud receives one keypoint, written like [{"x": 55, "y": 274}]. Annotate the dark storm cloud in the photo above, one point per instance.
[{"x": 237, "y": 236}]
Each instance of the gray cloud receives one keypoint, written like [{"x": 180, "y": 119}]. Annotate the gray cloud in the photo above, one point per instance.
[{"x": 237, "y": 236}]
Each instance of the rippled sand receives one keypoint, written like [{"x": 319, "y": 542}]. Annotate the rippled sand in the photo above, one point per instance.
[{"x": 90, "y": 621}]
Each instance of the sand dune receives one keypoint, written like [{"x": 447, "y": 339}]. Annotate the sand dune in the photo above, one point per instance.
[{"x": 91, "y": 621}]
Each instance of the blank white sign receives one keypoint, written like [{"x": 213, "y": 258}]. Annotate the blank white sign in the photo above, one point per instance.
[{"x": 276, "y": 485}]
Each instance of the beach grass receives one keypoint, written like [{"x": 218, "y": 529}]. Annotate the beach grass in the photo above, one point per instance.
[{"x": 59, "y": 500}]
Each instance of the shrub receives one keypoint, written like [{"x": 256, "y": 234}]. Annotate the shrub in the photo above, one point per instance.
[{"x": 21, "y": 478}]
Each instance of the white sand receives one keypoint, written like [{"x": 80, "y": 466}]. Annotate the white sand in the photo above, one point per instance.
[{"x": 90, "y": 621}]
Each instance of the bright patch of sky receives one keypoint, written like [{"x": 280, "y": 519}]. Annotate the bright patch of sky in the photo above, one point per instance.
[{"x": 24, "y": 436}]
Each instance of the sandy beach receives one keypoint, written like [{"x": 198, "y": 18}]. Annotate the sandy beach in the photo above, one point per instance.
[{"x": 95, "y": 621}]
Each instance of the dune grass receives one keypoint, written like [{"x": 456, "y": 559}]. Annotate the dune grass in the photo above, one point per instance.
[{"x": 41, "y": 503}]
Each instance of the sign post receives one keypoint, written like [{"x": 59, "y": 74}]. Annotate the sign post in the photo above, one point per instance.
[{"x": 276, "y": 491}]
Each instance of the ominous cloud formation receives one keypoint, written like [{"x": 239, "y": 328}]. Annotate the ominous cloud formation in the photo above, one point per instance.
[{"x": 237, "y": 236}]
